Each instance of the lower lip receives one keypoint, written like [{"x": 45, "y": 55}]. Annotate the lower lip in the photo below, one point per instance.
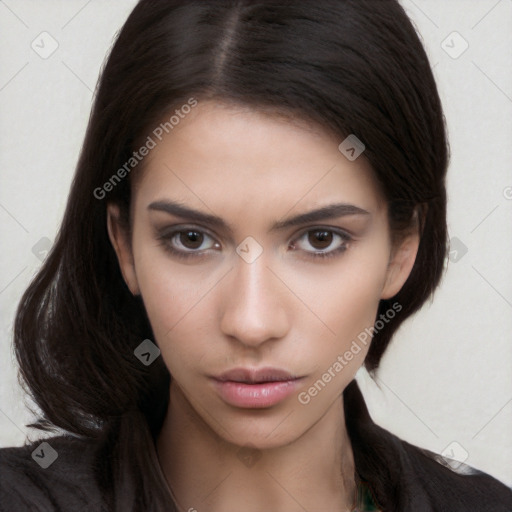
[{"x": 255, "y": 396}]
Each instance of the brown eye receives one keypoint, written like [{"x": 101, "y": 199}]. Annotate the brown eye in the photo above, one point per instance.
[
  {"x": 322, "y": 243},
  {"x": 191, "y": 239},
  {"x": 320, "y": 239},
  {"x": 187, "y": 242}
]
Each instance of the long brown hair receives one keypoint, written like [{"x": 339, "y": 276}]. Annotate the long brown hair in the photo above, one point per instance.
[{"x": 352, "y": 66}]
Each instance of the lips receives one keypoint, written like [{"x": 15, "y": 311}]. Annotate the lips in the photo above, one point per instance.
[
  {"x": 255, "y": 388},
  {"x": 252, "y": 376}
]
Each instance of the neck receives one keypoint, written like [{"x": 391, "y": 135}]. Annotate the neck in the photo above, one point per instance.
[{"x": 208, "y": 473}]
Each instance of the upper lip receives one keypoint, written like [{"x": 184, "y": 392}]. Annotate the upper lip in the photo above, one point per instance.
[{"x": 256, "y": 375}]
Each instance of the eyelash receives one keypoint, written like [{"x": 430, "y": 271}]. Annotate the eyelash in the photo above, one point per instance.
[{"x": 166, "y": 238}]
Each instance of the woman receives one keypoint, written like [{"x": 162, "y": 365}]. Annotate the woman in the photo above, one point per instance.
[{"x": 258, "y": 205}]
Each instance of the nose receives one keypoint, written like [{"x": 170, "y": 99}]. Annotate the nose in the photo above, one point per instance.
[{"x": 255, "y": 304}]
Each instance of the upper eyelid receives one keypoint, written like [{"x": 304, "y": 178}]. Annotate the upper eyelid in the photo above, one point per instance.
[
  {"x": 172, "y": 231},
  {"x": 184, "y": 227}
]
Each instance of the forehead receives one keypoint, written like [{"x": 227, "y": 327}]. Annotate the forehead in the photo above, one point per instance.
[{"x": 221, "y": 155}]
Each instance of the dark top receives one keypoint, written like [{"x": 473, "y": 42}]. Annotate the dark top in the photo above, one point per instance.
[{"x": 394, "y": 475}]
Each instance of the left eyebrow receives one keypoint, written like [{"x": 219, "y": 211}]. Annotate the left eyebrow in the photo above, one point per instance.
[{"x": 330, "y": 211}]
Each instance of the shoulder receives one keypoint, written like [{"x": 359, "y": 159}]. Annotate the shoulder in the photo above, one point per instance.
[
  {"x": 453, "y": 486},
  {"x": 53, "y": 474},
  {"x": 404, "y": 477}
]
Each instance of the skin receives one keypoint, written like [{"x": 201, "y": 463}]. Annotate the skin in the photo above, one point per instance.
[{"x": 285, "y": 309}]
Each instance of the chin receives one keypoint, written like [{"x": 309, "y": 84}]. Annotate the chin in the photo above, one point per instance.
[
  {"x": 260, "y": 429},
  {"x": 261, "y": 441}
]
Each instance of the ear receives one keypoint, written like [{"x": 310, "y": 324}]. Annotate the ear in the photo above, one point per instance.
[
  {"x": 400, "y": 265},
  {"x": 122, "y": 246}
]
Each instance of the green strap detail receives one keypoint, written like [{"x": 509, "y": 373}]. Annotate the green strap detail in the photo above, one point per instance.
[{"x": 365, "y": 500}]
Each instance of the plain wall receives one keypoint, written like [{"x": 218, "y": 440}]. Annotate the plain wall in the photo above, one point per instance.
[{"x": 447, "y": 377}]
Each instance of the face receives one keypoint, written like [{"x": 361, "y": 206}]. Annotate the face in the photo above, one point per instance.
[{"x": 257, "y": 308}]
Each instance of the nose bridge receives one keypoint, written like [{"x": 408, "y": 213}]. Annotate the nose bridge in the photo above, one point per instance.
[{"x": 254, "y": 309}]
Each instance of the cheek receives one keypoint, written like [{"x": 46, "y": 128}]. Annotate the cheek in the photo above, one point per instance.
[
  {"x": 169, "y": 290},
  {"x": 176, "y": 301},
  {"x": 348, "y": 312},
  {"x": 344, "y": 296},
  {"x": 173, "y": 309},
  {"x": 349, "y": 307},
  {"x": 346, "y": 299}
]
